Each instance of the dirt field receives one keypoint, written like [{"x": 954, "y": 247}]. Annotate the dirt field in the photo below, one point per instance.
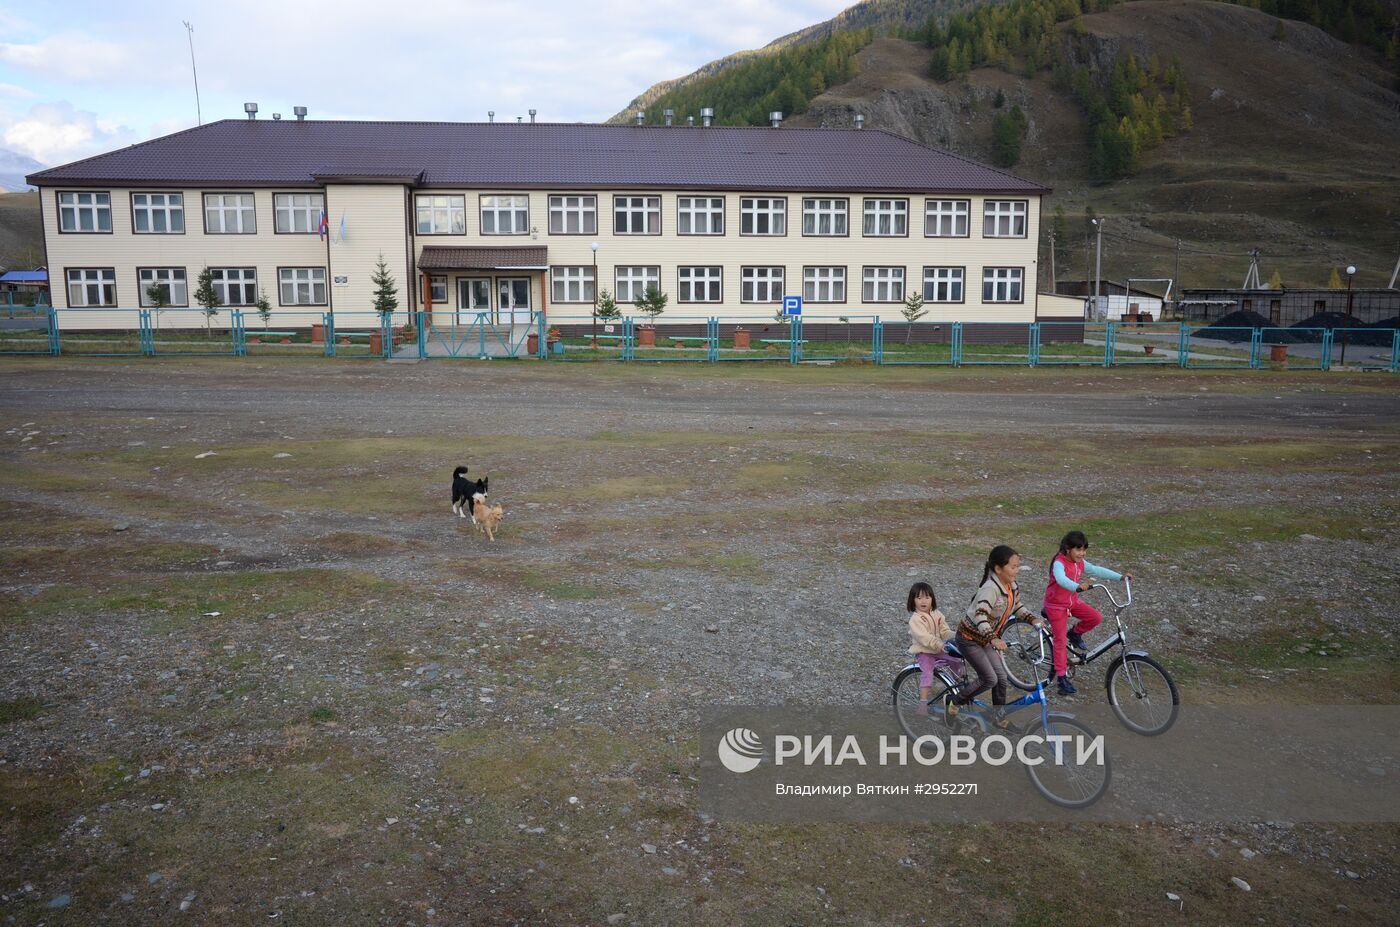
[{"x": 282, "y": 683}]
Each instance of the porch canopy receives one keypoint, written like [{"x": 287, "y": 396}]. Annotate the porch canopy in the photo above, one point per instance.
[{"x": 484, "y": 257}]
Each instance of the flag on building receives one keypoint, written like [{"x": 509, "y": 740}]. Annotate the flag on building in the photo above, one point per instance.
[
  {"x": 342, "y": 225},
  {"x": 322, "y": 227}
]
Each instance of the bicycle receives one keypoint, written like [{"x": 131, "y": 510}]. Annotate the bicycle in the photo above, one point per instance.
[
  {"x": 1058, "y": 777},
  {"x": 1141, "y": 692}
]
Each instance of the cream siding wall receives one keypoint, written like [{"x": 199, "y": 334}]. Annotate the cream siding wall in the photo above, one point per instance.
[
  {"x": 375, "y": 224},
  {"x": 793, "y": 251},
  {"x": 1061, "y": 307}
]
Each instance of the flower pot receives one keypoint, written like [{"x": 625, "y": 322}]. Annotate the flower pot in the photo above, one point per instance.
[
  {"x": 344, "y": 339},
  {"x": 318, "y": 333},
  {"x": 376, "y": 342},
  {"x": 646, "y": 337},
  {"x": 254, "y": 339},
  {"x": 1148, "y": 349},
  {"x": 286, "y": 340},
  {"x": 1278, "y": 353},
  {"x": 741, "y": 338},
  {"x": 532, "y": 343}
]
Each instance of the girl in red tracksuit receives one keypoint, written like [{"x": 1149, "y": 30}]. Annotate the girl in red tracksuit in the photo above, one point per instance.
[{"x": 1062, "y": 601}]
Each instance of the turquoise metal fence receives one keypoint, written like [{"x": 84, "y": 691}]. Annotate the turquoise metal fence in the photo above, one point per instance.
[
  {"x": 924, "y": 344},
  {"x": 1221, "y": 348},
  {"x": 474, "y": 335},
  {"x": 33, "y": 334}
]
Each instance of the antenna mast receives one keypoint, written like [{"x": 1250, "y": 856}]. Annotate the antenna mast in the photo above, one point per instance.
[{"x": 198, "y": 114}]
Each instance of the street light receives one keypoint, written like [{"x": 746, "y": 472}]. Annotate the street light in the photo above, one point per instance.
[
  {"x": 594, "y": 246},
  {"x": 1098, "y": 256},
  {"x": 1346, "y": 327}
]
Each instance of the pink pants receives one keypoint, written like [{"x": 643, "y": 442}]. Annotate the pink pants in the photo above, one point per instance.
[
  {"x": 1089, "y": 618},
  {"x": 928, "y": 662}
]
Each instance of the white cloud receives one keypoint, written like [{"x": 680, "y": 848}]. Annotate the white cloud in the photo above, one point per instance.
[
  {"x": 14, "y": 90},
  {"x": 71, "y": 56},
  {"x": 56, "y": 133}
]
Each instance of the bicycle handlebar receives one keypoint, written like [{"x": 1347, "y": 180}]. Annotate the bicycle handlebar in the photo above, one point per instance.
[{"x": 1127, "y": 584}]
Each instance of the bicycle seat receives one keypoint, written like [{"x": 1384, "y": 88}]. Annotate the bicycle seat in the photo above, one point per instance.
[{"x": 951, "y": 648}]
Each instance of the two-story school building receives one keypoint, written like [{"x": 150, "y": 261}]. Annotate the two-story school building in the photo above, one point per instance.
[{"x": 510, "y": 219}]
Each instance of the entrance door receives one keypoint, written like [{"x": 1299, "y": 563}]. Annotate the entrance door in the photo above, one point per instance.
[
  {"x": 514, "y": 304},
  {"x": 473, "y": 297}
]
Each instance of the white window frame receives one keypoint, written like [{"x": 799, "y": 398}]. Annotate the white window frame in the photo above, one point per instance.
[
  {"x": 950, "y": 280},
  {"x": 582, "y": 209},
  {"x": 571, "y": 284},
  {"x": 892, "y": 212},
  {"x": 230, "y": 214},
  {"x": 288, "y": 208},
  {"x": 440, "y": 214},
  {"x": 1007, "y": 280},
  {"x": 882, "y": 285},
  {"x": 165, "y": 209},
  {"x": 699, "y": 215},
  {"x": 76, "y": 205},
  {"x": 505, "y": 214},
  {"x": 763, "y": 212},
  {"x": 832, "y": 211},
  {"x": 632, "y": 280},
  {"x": 101, "y": 281},
  {"x": 947, "y": 218},
  {"x": 824, "y": 284},
  {"x": 647, "y": 208},
  {"x": 306, "y": 285},
  {"x": 173, "y": 279},
  {"x": 1004, "y": 218},
  {"x": 706, "y": 280},
  {"x": 762, "y": 284},
  {"x": 243, "y": 280},
  {"x": 437, "y": 289}
]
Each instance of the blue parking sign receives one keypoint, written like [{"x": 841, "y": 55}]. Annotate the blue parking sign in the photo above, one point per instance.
[{"x": 792, "y": 305}]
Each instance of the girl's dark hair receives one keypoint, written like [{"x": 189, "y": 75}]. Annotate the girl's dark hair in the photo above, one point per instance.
[
  {"x": 1000, "y": 556},
  {"x": 919, "y": 589},
  {"x": 1073, "y": 539}
]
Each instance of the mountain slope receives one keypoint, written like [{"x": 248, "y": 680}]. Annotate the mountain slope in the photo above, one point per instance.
[{"x": 13, "y": 169}]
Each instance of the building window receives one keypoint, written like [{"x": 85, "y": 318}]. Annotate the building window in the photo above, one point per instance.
[
  {"x": 824, "y": 284},
  {"x": 943, "y": 284},
  {"x": 505, "y": 215},
  {"x": 1001, "y": 284},
  {"x": 946, "y": 218},
  {"x": 302, "y": 286},
  {"x": 171, "y": 280},
  {"x": 632, "y": 282},
  {"x": 573, "y": 215},
  {"x": 298, "y": 213},
  {"x": 825, "y": 216},
  {"x": 700, "y": 215},
  {"x": 85, "y": 212},
  {"x": 441, "y": 215},
  {"x": 882, "y": 285},
  {"x": 761, "y": 285},
  {"x": 573, "y": 284},
  {"x": 92, "y": 286},
  {"x": 158, "y": 213},
  {"x": 1004, "y": 219},
  {"x": 700, "y": 284},
  {"x": 229, "y": 214},
  {"x": 886, "y": 217},
  {"x": 236, "y": 286},
  {"x": 762, "y": 215},
  {"x": 637, "y": 215},
  {"x": 437, "y": 290}
]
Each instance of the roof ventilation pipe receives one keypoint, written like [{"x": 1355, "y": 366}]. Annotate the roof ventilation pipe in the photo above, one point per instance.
[
  {"x": 276, "y": 117},
  {"x": 532, "y": 117},
  {"x": 251, "y": 109},
  {"x": 640, "y": 115},
  {"x": 707, "y": 115},
  {"x": 490, "y": 115},
  {"x": 670, "y": 116},
  {"x": 690, "y": 120},
  {"x": 860, "y": 121},
  {"x": 775, "y": 119},
  {"x": 300, "y": 112}
]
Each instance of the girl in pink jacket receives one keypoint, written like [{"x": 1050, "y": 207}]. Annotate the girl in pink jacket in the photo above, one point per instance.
[
  {"x": 1062, "y": 601},
  {"x": 928, "y": 632}
]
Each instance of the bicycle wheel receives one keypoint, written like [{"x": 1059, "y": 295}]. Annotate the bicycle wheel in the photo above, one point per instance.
[
  {"x": 916, "y": 718},
  {"x": 1142, "y": 694},
  {"x": 1061, "y": 778},
  {"x": 1028, "y": 657}
]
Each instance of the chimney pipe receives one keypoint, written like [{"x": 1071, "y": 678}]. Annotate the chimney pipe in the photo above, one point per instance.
[
  {"x": 276, "y": 117},
  {"x": 707, "y": 114},
  {"x": 532, "y": 116},
  {"x": 775, "y": 119},
  {"x": 490, "y": 115},
  {"x": 519, "y": 118},
  {"x": 251, "y": 109},
  {"x": 640, "y": 116},
  {"x": 300, "y": 112},
  {"x": 670, "y": 116},
  {"x": 860, "y": 121},
  {"x": 690, "y": 120}
]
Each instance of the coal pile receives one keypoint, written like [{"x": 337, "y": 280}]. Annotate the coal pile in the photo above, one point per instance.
[
  {"x": 1237, "y": 326},
  {"x": 1358, "y": 332}
]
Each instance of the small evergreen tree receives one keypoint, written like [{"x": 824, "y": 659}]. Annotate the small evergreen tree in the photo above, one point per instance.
[
  {"x": 1334, "y": 282},
  {"x": 1276, "y": 280},
  {"x": 912, "y": 310},
  {"x": 155, "y": 295},
  {"x": 386, "y": 291},
  {"x": 652, "y": 302},
  {"x": 607, "y": 309},
  {"x": 1008, "y": 128},
  {"x": 264, "y": 308},
  {"x": 207, "y": 298}
]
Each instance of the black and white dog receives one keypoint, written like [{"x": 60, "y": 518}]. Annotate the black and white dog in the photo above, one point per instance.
[{"x": 465, "y": 492}]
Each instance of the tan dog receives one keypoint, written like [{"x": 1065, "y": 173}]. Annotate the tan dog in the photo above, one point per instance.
[{"x": 487, "y": 517}]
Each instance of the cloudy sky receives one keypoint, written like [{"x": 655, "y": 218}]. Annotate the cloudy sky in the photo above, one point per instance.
[{"x": 78, "y": 78}]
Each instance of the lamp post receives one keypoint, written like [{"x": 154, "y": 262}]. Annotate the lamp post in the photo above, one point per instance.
[
  {"x": 1346, "y": 329},
  {"x": 594, "y": 246},
  {"x": 1098, "y": 261}
]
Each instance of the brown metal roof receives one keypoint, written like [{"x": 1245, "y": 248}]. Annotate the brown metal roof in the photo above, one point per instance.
[
  {"x": 260, "y": 152},
  {"x": 484, "y": 257}
]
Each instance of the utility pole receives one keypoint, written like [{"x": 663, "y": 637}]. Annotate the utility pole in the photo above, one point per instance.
[
  {"x": 1346, "y": 329},
  {"x": 1052, "y": 260},
  {"x": 1393, "y": 274},
  {"x": 1098, "y": 262},
  {"x": 198, "y": 114}
]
